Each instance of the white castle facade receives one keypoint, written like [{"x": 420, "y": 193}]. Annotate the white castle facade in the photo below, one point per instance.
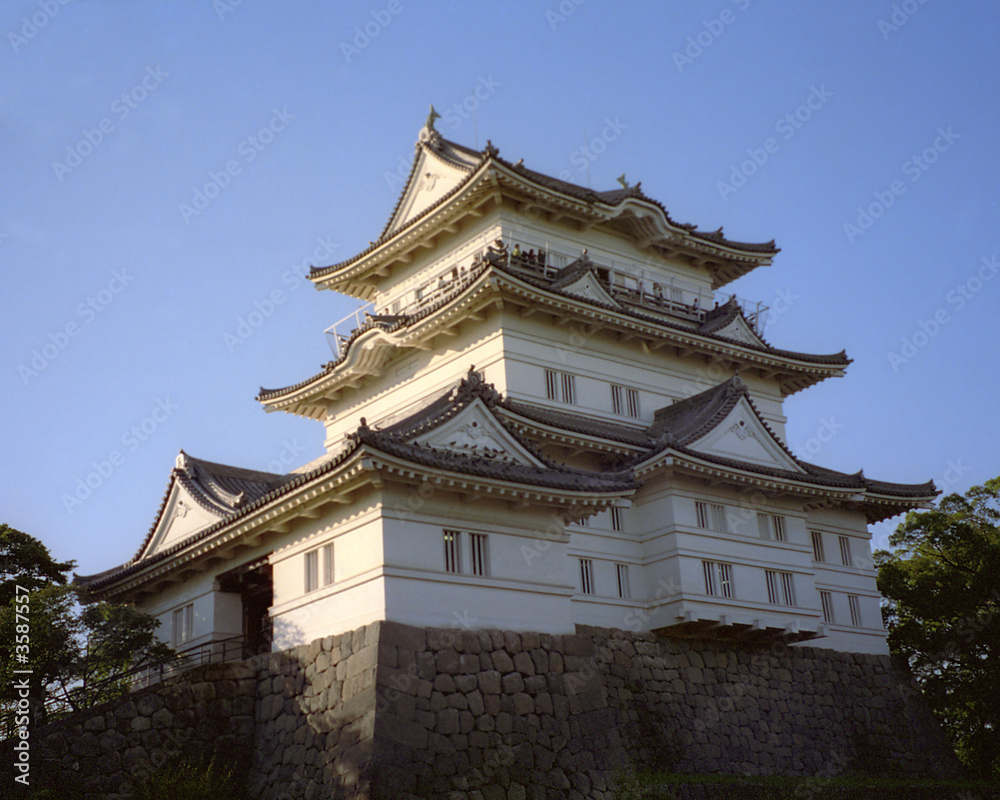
[{"x": 544, "y": 420}]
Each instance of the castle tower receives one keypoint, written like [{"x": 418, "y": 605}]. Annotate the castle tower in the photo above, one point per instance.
[{"x": 550, "y": 413}]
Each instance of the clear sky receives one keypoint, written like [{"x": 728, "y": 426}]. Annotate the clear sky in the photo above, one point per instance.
[{"x": 170, "y": 169}]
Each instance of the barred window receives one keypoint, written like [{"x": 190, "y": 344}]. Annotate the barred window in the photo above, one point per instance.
[
  {"x": 452, "y": 560},
  {"x": 845, "y": 551},
  {"x": 712, "y": 516},
  {"x": 855, "y": 605},
  {"x": 826, "y": 601},
  {"x": 560, "y": 386},
  {"x": 623, "y": 588},
  {"x": 624, "y": 401},
  {"x": 780, "y": 587},
  {"x": 817, "y": 540},
  {"x": 312, "y": 570},
  {"x": 771, "y": 527},
  {"x": 480, "y": 553},
  {"x": 617, "y": 521},
  {"x": 718, "y": 578},
  {"x": 586, "y": 576}
]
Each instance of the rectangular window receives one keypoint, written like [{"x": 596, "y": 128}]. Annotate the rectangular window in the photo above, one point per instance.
[
  {"x": 560, "y": 386},
  {"x": 771, "y": 527},
  {"x": 817, "y": 540},
  {"x": 623, "y": 589},
  {"x": 586, "y": 576},
  {"x": 452, "y": 562},
  {"x": 855, "y": 605},
  {"x": 712, "y": 516},
  {"x": 327, "y": 564},
  {"x": 624, "y": 401},
  {"x": 617, "y": 521},
  {"x": 780, "y": 587},
  {"x": 312, "y": 570},
  {"x": 718, "y": 578},
  {"x": 826, "y": 600},
  {"x": 183, "y": 624},
  {"x": 845, "y": 551},
  {"x": 479, "y": 553}
]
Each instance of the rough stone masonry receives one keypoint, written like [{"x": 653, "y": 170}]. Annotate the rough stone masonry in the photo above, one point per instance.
[{"x": 394, "y": 711}]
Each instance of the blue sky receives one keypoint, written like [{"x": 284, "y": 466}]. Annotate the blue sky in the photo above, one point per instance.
[{"x": 169, "y": 168}]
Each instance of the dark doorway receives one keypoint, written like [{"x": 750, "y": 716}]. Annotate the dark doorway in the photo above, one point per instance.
[{"x": 253, "y": 582}]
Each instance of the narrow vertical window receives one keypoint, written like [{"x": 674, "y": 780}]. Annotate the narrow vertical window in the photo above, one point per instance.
[
  {"x": 451, "y": 551},
  {"x": 763, "y": 528},
  {"x": 826, "y": 601},
  {"x": 772, "y": 586},
  {"x": 702, "y": 511},
  {"x": 568, "y": 388},
  {"x": 632, "y": 402},
  {"x": 312, "y": 570},
  {"x": 617, "y": 405},
  {"x": 771, "y": 527},
  {"x": 623, "y": 588},
  {"x": 778, "y": 522},
  {"x": 845, "y": 551},
  {"x": 719, "y": 518},
  {"x": 327, "y": 564},
  {"x": 817, "y": 540},
  {"x": 183, "y": 624},
  {"x": 718, "y": 578},
  {"x": 586, "y": 576},
  {"x": 855, "y": 605},
  {"x": 551, "y": 385},
  {"x": 788, "y": 588},
  {"x": 479, "y": 554},
  {"x": 617, "y": 523}
]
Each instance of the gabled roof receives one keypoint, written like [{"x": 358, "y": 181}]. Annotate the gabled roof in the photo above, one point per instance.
[{"x": 466, "y": 172}]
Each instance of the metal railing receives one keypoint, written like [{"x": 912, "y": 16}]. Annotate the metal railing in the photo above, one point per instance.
[{"x": 141, "y": 676}]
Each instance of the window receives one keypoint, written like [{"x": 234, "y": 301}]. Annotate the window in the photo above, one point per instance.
[
  {"x": 826, "y": 600},
  {"x": 480, "y": 553},
  {"x": 845, "y": 551},
  {"x": 312, "y": 562},
  {"x": 183, "y": 624},
  {"x": 623, "y": 588},
  {"x": 855, "y": 606},
  {"x": 452, "y": 561},
  {"x": 617, "y": 519},
  {"x": 327, "y": 564},
  {"x": 560, "y": 386},
  {"x": 312, "y": 571},
  {"x": 624, "y": 401},
  {"x": 817, "y": 539},
  {"x": 586, "y": 576},
  {"x": 771, "y": 526},
  {"x": 718, "y": 578},
  {"x": 711, "y": 516},
  {"x": 780, "y": 587}
]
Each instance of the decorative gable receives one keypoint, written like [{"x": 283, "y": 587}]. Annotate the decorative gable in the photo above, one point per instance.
[
  {"x": 743, "y": 436},
  {"x": 738, "y": 330},
  {"x": 431, "y": 178},
  {"x": 182, "y": 517},
  {"x": 588, "y": 287},
  {"x": 475, "y": 432}
]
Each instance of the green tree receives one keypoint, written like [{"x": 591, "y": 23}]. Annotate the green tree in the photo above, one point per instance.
[
  {"x": 77, "y": 654},
  {"x": 942, "y": 611}
]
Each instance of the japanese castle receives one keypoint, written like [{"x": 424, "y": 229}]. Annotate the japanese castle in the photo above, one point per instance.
[{"x": 547, "y": 415}]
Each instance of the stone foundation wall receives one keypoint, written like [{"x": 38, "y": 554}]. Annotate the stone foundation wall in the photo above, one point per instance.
[{"x": 393, "y": 711}]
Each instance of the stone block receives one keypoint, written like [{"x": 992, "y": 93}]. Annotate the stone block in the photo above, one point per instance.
[{"x": 404, "y": 637}]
